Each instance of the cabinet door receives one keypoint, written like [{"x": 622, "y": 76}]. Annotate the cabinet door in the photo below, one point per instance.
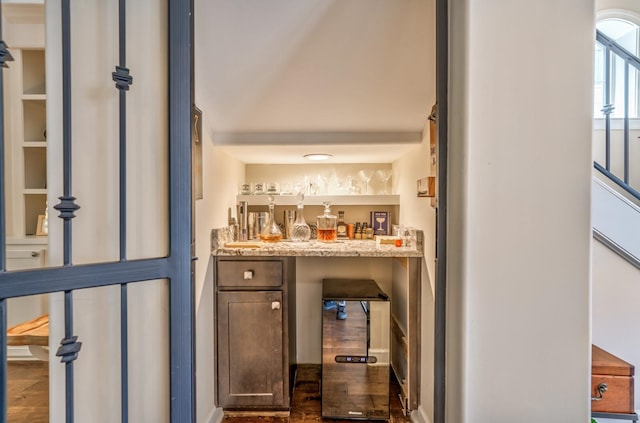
[
  {"x": 22, "y": 309},
  {"x": 250, "y": 349}
]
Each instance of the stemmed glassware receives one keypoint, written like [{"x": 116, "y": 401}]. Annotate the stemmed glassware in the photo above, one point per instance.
[
  {"x": 366, "y": 175},
  {"x": 384, "y": 175}
]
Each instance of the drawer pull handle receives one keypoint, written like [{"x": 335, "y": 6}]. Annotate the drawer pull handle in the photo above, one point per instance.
[
  {"x": 275, "y": 305},
  {"x": 602, "y": 388},
  {"x": 248, "y": 275}
]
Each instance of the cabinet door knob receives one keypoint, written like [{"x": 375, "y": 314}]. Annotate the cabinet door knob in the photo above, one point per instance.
[
  {"x": 248, "y": 274},
  {"x": 275, "y": 305}
]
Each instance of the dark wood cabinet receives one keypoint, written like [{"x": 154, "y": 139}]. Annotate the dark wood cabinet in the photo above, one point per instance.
[{"x": 255, "y": 352}]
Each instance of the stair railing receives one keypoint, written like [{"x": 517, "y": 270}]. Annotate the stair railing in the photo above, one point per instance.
[{"x": 614, "y": 54}]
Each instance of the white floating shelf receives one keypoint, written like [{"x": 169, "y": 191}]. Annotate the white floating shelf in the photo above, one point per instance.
[
  {"x": 31, "y": 191},
  {"x": 317, "y": 200},
  {"x": 40, "y": 97},
  {"x": 34, "y": 144}
]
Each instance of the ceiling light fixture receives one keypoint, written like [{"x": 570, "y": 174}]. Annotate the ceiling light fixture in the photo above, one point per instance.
[{"x": 317, "y": 157}]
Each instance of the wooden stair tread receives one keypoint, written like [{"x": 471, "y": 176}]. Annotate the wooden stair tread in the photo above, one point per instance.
[
  {"x": 605, "y": 363},
  {"x": 32, "y": 332}
]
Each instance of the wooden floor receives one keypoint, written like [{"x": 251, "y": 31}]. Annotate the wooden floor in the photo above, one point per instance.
[{"x": 28, "y": 391}]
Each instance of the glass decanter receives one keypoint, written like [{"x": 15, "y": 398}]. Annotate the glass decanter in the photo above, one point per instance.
[
  {"x": 327, "y": 223},
  {"x": 300, "y": 231},
  {"x": 271, "y": 231}
]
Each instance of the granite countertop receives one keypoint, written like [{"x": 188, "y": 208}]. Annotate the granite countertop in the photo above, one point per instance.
[{"x": 313, "y": 248}]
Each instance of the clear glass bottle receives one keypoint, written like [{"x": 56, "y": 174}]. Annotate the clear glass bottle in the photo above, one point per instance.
[
  {"x": 300, "y": 231},
  {"x": 326, "y": 231},
  {"x": 271, "y": 232}
]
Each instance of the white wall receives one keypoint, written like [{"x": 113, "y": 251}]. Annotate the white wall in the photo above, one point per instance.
[
  {"x": 631, "y": 5},
  {"x": 221, "y": 176},
  {"x": 417, "y": 212},
  {"x": 519, "y": 224},
  {"x": 95, "y": 168}
]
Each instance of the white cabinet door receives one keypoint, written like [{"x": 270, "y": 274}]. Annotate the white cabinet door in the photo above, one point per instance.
[{"x": 25, "y": 308}]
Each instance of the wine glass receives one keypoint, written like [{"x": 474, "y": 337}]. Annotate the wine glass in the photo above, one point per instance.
[
  {"x": 366, "y": 175},
  {"x": 384, "y": 175}
]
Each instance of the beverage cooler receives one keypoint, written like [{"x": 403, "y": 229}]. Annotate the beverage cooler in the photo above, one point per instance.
[{"x": 355, "y": 350}]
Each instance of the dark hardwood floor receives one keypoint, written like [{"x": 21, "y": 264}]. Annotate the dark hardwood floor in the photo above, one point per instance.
[{"x": 27, "y": 391}]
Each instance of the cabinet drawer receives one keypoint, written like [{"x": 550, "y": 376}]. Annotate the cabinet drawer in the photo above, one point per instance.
[{"x": 249, "y": 273}]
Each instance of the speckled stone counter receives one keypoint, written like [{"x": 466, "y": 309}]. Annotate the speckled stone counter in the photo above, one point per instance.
[{"x": 339, "y": 248}]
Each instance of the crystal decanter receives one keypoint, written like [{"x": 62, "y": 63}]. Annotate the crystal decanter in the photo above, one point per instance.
[
  {"x": 271, "y": 231},
  {"x": 300, "y": 231}
]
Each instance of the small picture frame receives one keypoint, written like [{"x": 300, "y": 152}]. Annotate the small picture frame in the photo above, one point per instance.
[
  {"x": 379, "y": 221},
  {"x": 40, "y": 231},
  {"x": 427, "y": 186}
]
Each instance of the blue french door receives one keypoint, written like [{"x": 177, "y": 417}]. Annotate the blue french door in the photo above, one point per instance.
[{"x": 173, "y": 269}]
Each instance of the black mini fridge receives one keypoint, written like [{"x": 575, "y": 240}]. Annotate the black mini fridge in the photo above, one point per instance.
[{"x": 355, "y": 350}]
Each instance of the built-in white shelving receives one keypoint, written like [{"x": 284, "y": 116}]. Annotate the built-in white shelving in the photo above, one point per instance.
[
  {"x": 315, "y": 200},
  {"x": 26, "y": 117}
]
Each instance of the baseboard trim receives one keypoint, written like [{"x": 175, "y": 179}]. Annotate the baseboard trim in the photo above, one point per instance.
[
  {"x": 258, "y": 413},
  {"x": 215, "y": 416},
  {"x": 420, "y": 416},
  {"x": 19, "y": 353}
]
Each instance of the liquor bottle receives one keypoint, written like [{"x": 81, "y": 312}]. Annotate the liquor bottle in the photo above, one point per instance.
[
  {"x": 341, "y": 227},
  {"x": 365, "y": 229},
  {"x": 358, "y": 231},
  {"x": 369, "y": 232},
  {"x": 326, "y": 225}
]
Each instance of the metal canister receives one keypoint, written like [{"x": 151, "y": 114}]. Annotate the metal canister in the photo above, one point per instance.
[
  {"x": 289, "y": 218},
  {"x": 251, "y": 223},
  {"x": 243, "y": 218}
]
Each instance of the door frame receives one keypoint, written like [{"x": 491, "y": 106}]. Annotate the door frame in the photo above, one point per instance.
[{"x": 440, "y": 299}]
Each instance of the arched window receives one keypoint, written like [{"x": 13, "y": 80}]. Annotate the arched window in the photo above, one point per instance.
[
  {"x": 622, "y": 31},
  {"x": 623, "y": 28}
]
